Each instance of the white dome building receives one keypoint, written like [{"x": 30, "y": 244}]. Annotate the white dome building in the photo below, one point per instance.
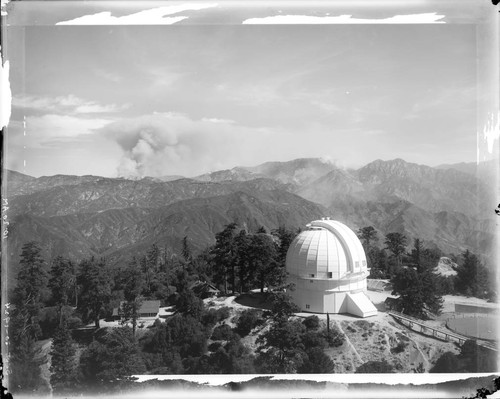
[{"x": 327, "y": 265}]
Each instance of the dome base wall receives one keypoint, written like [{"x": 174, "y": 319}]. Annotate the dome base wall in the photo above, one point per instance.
[{"x": 355, "y": 302}]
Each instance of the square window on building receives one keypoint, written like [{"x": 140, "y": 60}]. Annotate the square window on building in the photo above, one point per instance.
[
  {"x": 311, "y": 275},
  {"x": 330, "y": 274},
  {"x": 308, "y": 307}
]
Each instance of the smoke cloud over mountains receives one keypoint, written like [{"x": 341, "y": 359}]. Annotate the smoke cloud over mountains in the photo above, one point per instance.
[{"x": 170, "y": 143}]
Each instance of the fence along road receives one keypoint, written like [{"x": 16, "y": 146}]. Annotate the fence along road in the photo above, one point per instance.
[{"x": 437, "y": 332}]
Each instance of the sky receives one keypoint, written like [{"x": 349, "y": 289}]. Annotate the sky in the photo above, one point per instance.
[{"x": 182, "y": 99}]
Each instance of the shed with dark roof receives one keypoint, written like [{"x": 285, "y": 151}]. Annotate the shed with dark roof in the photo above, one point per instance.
[{"x": 147, "y": 309}]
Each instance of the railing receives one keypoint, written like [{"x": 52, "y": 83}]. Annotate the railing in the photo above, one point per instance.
[
  {"x": 467, "y": 315},
  {"x": 446, "y": 335}
]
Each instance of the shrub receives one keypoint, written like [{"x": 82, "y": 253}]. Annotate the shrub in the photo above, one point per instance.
[
  {"x": 317, "y": 362},
  {"x": 214, "y": 346},
  {"x": 375, "y": 367},
  {"x": 447, "y": 363},
  {"x": 401, "y": 346},
  {"x": 311, "y": 322},
  {"x": 247, "y": 321},
  {"x": 334, "y": 338},
  {"x": 223, "y": 313},
  {"x": 209, "y": 318},
  {"x": 222, "y": 333},
  {"x": 312, "y": 339}
]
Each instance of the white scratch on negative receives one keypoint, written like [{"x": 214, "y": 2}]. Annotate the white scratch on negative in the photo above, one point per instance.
[
  {"x": 154, "y": 16},
  {"x": 491, "y": 131},
  {"x": 425, "y": 18},
  {"x": 5, "y": 92}
]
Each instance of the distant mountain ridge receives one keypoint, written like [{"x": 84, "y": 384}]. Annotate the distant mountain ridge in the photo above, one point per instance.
[{"x": 81, "y": 216}]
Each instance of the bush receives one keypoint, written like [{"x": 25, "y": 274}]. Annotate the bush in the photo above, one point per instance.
[
  {"x": 375, "y": 367},
  {"x": 209, "y": 318},
  {"x": 214, "y": 346},
  {"x": 334, "y": 338},
  {"x": 317, "y": 362},
  {"x": 401, "y": 346},
  {"x": 74, "y": 322},
  {"x": 222, "y": 333},
  {"x": 311, "y": 339},
  {"x": 311, "y": 322},
  {"x": 247, "y": 321},
  {"x": 223, "y": 313},
  {"x": 447, "y": 363}
]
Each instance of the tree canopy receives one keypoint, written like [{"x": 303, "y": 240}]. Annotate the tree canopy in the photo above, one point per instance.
[
  {"x": 418, "y": 292},
  {"x": 94, "y": 280}
]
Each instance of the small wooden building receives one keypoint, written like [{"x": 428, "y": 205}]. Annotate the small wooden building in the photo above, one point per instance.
[{"x": 147, "y": 309}]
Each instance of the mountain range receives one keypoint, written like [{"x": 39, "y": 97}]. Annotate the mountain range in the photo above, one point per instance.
[{"x": 79, "y": 216}]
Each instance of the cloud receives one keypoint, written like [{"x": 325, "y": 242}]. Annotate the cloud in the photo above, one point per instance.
[
  {"x": 455, "y": 98},
  {"x": 51, "y": 129},
  {"x": 424, "y": 18},
  {"x": 171, "y": 143},
  {"x": 217, "y": 120},
  {"x": 154, "y": 16},
  {"x": 69, "y": 104}
]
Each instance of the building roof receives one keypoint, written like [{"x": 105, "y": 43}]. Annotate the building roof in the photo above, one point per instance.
[
  {"x": 327, "y": 249},
  {"x": 146, "y": 307},
  {"x": 203, "y": 286},
  {"x": 150, "y": 307}
]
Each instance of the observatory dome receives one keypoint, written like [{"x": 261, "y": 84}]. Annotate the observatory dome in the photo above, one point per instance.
[{"x": 327, "y": 265}]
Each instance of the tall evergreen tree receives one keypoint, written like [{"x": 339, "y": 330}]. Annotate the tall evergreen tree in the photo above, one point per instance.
[
  {"x": 472, "y": 276},
  {"x": 245, "y": 272},
  {"x": 63, "y": 366},
  {"x": 24, "y": 328},
  {"x": 423, "y": 258},
  {"x": 112, "y": 356},
  {"x": 367, "y": 235},
  {"x": 30, "y": 292},
  {"x": 94, "y": 281},
  {"x": 285, "y": 239},
  {"x": 262, "y": 255},
  {"x": 62, "y": 282},
  {"x": 418, "y": 292},
  {"x": 223, "y": 259},
  {"x": 396, "y": 243},
  {"x": 186, "y": 250},
  {"x": 132, "y": 284}
]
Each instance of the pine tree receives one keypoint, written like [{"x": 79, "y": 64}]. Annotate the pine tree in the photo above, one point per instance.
[
  {"x": 94, "y": 281},
  {"x": 423, "y": 258},
  {"x": 245, "y": 272},
  {"x": 224, "y": 256},
  {"x": 396, "y": 243},
  {"x": 62, "y": 282},
  {"x": 285, "y": 239},
  {"x": 186, "y": 251},
  {"x": 132, "y": 284},
  {"x": 472, "y": 276},
  {"x": 113, "y": 356},
  {"x": 24, "y": 327},
  {"x": 62, "y": 367},
  {"x": 262, "y": 257},
  {"x": 418, "y": 292},
  {"x": 31, "y": 289},
  {"x": 367, "y": 235}
]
